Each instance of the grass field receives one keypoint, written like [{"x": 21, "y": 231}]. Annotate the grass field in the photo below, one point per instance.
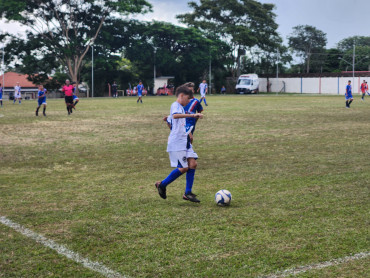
[{"x": 298, "y": 168}]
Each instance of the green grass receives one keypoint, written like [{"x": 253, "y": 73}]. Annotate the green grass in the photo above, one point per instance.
[{"x": 297, "y": 166}]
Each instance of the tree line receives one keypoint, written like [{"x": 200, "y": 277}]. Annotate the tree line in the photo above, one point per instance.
[{"x": 234, "y": 36}]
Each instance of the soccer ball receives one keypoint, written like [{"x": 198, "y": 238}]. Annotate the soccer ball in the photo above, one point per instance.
[{"x": 223, "y": 197}]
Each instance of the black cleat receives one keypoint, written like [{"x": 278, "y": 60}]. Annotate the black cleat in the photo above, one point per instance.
[
  {"x": 190, "y": 197},
  {"x": 161, "y": 190}
]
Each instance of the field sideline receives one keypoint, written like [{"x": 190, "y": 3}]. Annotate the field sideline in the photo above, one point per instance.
[{"x": 297, "y": 165}]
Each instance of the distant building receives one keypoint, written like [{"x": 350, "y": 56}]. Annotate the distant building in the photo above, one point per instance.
[{"x": 28, "y": 89}]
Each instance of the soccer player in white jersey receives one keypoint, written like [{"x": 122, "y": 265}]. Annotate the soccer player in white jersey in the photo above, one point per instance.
[
  {"x": 177, "y": 140},
  {"x": 17, "y": 93},
  {"x": 203, "y": 88}
]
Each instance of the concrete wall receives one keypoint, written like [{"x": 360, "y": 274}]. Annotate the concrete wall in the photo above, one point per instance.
[{"x": 315, "y": 85}]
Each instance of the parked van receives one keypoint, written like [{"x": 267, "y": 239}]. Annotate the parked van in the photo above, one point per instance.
[{"x": 247, "y": 84}]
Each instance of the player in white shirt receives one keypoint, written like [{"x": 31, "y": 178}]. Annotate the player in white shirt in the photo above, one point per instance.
[
  {"x": 203, "y": 88},
  {"x": 17, "y": 93},
  {"x": 177, "y": 140}
]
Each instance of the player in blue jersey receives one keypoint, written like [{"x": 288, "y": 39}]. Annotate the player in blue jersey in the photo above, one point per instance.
[
  {"x": 41, "y": 100},
  {"x": 140, "y": 89},
  {"x": 1, "y": 95},
  {"x": 75, "y": 97},
  {"x": 178, "y": 141},
  {"x": 203, "y": 88},
  {"x": 348, "y": 95}
]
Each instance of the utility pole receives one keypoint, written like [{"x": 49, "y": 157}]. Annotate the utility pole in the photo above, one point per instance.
[
  {"x": 277, "y": 71},
  {"x": 3, "y": 69},
  {"x": 353, "y": 66},
  {"x": 155, "y": 71},
  {"x": 92, "y": 70},
  {"x": 210, "y": 73}
]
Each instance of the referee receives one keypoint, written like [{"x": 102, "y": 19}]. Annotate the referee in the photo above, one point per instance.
[{"x": 68, "y": 95}]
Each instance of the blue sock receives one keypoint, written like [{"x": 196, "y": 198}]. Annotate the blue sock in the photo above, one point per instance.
[
  {"x": 205, "y": 101},
  {"x": 171, "y": 177},
  {"x": 189, "y": 180}
]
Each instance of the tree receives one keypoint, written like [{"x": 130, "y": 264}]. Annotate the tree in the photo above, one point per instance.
[
  {"x": 243, "y": 24},
  {"x": 362, "y": 52},
  {"x": 182, "y": 52},
  {"x": 332, "y": 61},
  {"x": 62, "y": 32},
  {"x": 306, "y": 41}
]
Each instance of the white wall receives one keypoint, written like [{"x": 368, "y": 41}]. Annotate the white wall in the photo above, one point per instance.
[{"x": 314, "y": 85}]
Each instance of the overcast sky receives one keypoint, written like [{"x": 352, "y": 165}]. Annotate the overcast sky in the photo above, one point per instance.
[{"x": 339, "y": 19}]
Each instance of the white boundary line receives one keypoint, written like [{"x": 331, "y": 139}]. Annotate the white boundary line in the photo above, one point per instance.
[
  {"x": 305, "y": 268},
  {"x": 61, "y": 249}
]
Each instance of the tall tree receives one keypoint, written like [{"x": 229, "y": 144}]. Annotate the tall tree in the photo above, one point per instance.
[
  {"x": 307, "y": 40},
  {"x": 61, "y": 31},
  {"x": 243, "y": 24},
  {"x": 358, "y": 45}
]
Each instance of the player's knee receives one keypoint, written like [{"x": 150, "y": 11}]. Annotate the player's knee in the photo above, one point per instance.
[
  {"x": 183, "y": 170},
  {"x": 193, "y": 164}
]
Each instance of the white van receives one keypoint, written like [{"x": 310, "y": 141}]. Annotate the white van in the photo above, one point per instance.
[{"x": 247, "y": 84}]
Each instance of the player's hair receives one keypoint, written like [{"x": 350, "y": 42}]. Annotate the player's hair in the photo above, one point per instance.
[
  {"x": 184, "y": 90},
  {"x": 349, "y": 80},
  {"x": 189, "y": 84}
]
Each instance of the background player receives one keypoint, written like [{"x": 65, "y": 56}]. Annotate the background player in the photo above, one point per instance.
[
  {"x": 68, "y": 96},
  {"x": 41, "y": 100},
  {"x": 363, "y": 89},
  {"x": 140, "y": 89},
  {"x": 17, "y": 93},
  {"x": 203, "y": 88},
  {"x": 114, "y": 89},
  {"x": 75, "y": 97},
  {"x": 177, "y": 140},
  {"x": 1, "y": 95},
  {"x": 348, "y": 94}
]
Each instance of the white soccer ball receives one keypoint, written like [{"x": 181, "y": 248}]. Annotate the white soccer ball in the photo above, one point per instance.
[{"x": 223, "y": 197}]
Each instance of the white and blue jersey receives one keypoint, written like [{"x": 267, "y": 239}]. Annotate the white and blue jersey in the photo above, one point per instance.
[
  {"x": 140, "y": 90},
  {"x": 177, "y": 140},
  {"x": 41, "y": 100},
  {"x": 1, "y": 93},
  {"x": 202, "y": 88},
  {"x": 192, "y": 107}
]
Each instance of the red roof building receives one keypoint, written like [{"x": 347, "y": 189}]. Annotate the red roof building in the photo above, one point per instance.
[{"x": 10, "y": 79}]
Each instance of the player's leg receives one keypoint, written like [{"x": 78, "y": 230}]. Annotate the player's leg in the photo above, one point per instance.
[
  {"x": 205, "y": 102},
  {"x": 19, "y": 100},
  {"x": 192, "y": 163},
  {"x": 363, "y": 95},
  {"x": 75, "y": 103},
  {"x": 349, "y": 103},
  {"x": 190, "y": 174},
  {"x": 43, "y": 112},
  {"x": 37, "y": 109},
  {"x": 178, "y": 160}
]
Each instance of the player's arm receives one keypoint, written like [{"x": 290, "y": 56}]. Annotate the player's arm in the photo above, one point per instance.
[
  {"x": 179, "y": 116},
  {"x": 191, "y": 137},
  {"x": 168, "y": 124}
]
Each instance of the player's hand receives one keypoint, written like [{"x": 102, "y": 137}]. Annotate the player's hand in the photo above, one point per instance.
[
  {"x": 198, "y": 115},
  {"x": 165, "y": 119}
]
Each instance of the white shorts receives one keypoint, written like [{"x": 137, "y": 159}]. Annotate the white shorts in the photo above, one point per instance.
[
  {"x": 190, "y": 153},
  {"x": 178, "y": 159},
  {"x": 203, "y": 94},
  {"x": 17, "y": 96}
]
